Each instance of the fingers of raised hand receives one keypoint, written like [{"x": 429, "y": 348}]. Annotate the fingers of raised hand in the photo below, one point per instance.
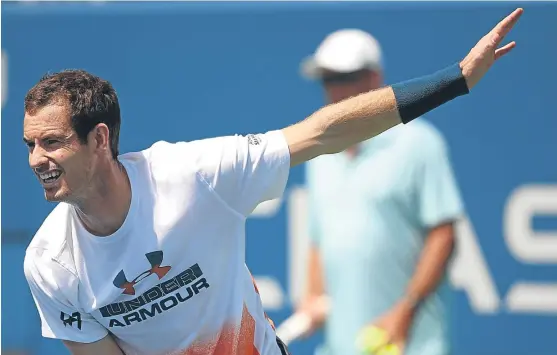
[
  {"x": 504, "y": 50},
  {"x": 499, "y": 32}
]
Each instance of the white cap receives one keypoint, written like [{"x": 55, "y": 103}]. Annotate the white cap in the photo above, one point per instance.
[{"x": 344, "y": 51}]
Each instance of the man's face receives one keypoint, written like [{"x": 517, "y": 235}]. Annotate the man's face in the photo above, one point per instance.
[
  {"x": 62, "y": 164},
  {"x": 339, "y": 86}
]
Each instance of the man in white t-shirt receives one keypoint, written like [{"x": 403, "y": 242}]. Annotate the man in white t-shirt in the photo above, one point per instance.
[{"x": 145, "y": 252}]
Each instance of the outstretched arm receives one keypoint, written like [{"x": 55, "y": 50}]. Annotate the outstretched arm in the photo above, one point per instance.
[{"x": 336, "y": 127}]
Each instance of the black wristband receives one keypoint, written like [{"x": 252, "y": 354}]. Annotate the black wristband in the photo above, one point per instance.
[{"x": 418, "y": 96}]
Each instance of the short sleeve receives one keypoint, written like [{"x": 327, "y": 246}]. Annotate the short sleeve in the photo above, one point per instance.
[
  {"x": 59, "y": 319},
  {"x": 439, "y": 195},
  {"x": 244, "y": 170}
]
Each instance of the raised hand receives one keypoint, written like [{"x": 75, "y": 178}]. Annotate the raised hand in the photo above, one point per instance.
[{"x": 487, "y": 51}]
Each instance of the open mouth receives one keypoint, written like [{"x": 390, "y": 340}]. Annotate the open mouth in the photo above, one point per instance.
[{"x": 50, "y": 177}]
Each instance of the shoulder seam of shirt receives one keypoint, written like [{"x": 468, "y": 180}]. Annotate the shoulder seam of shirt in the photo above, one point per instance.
[
  {"x": 57, "y": 261},
  {"x": 55, "y": 258}
]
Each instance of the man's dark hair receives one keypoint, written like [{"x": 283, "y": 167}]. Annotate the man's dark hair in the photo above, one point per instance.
[{"x": 91, "y": 101}]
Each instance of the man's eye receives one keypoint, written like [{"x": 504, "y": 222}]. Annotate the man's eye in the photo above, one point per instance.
[{"x": 51, "y": 141}]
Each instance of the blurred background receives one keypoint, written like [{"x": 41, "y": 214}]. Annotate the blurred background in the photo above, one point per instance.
[{"x": 186, "y": 70}]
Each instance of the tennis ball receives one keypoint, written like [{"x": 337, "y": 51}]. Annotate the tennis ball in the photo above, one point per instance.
[
  {"x": 389, "y": 349},
  {"x": 371, "y": 339}
]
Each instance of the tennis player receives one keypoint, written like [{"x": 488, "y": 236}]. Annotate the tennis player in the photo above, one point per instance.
[{"x": 145, "y": 251}]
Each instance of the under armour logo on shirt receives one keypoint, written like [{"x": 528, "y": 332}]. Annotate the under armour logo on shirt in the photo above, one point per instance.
[
  {"x": 67, "y": 319},
  {"x": 155, "y": 259}
]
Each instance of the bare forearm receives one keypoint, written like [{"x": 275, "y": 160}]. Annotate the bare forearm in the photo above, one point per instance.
[
  {"x": 433, "y": 262},
  {"x": 356, "y": 119},
  {"x": 315, "y": 299},
  {"x": 338, "y": 126},
  {"x": 312, "y": 312}
]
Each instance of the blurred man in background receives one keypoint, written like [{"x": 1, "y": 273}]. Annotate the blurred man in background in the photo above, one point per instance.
[{"x": 381, "y": 222}]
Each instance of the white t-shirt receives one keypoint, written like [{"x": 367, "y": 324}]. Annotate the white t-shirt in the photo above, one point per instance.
[{"x": 173, "y": 278}]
